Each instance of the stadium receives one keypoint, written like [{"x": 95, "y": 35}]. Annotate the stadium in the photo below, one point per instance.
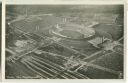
[{"x": 73, "y": 31}]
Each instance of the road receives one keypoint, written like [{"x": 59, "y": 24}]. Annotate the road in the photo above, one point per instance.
[{"x": 50, "y": 70}]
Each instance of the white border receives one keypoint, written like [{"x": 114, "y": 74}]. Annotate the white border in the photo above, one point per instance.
[
  {"x": 64, "y": 1},
  {"x": 55, "y": 2},
  {"x": 3, "y": 40}
]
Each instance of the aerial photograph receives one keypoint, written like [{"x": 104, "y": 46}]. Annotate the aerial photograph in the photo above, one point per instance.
[{"x": 64, "y": 42}]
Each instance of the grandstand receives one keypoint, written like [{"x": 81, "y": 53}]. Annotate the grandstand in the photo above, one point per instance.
[{"x": 73, "y": 31}]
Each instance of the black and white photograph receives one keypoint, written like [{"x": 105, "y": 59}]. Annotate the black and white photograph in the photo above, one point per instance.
[{"x": 64, "y": 41}]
